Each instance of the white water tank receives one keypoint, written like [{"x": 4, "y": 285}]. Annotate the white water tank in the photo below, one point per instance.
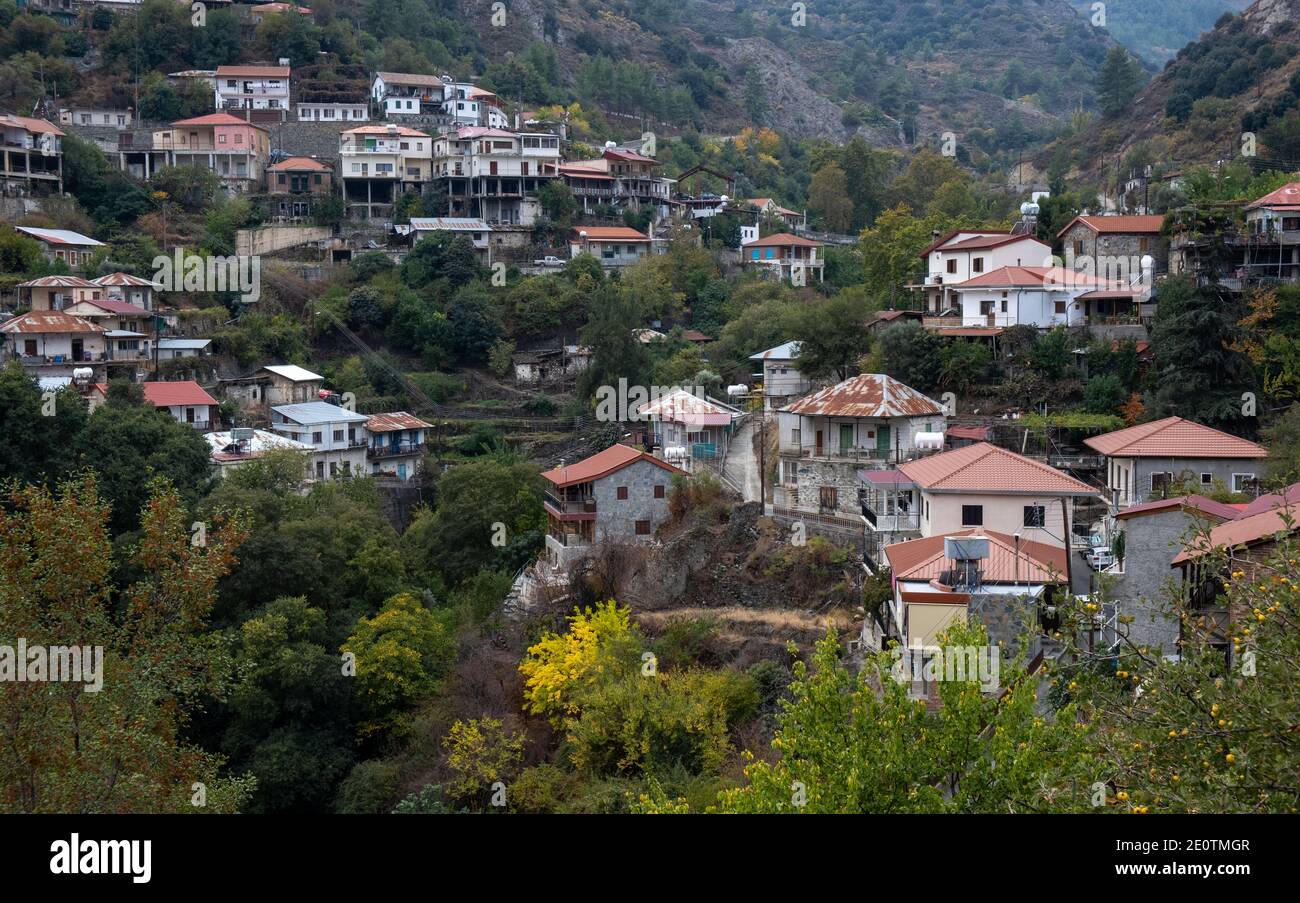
[
  {"x": 82, "y": 375},
  {"x": 738, "y": 389},
  {"x": 929, "y": 441}
]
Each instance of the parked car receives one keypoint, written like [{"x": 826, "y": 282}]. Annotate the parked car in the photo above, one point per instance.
[
  {"x": 549, "y": 261},
  {"x": 1101, "y": 557}
]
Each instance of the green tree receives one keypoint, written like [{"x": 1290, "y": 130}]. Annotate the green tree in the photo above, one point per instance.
[
  {"x": 1118, "y": 82},
  {"x": 828, "y": 198}
]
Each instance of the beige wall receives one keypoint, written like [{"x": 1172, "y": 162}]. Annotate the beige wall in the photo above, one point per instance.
[
  {"x": 925, "y": 620},
  {"x": 941, "y": 513}
]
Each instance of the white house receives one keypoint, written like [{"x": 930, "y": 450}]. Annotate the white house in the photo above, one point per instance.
[
  {"x": 337, "y": 435},
  {"x": 1044, "y": 297},
  {"x": 184, "y": 400},
  {"x": 232, "y": 449},
  {"x": 398, "y": 442},
  {"x": 782, "y": 381},
  {"x": 252, "y": 87},
  {"x": 71, "y": 247},
  {"x": 613, "y": 246},
  {"x": 963, "y": 254},
  {"x": 694, "y": 428},
  {"x": 333, "y": 112}
]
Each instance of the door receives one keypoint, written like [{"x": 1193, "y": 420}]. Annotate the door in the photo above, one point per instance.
[
  {"x": 846, "y": 438},
  {"x": 78, "y": 349},
  {"x": 819, "y": 443},
  {"x": 401, "y": 471},
  {"x": 882, "y": 439}
]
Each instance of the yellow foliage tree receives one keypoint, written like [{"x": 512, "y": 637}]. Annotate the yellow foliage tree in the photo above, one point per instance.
[{"x": 598, "y": 641}]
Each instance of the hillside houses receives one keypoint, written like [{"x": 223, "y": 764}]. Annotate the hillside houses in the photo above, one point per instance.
[
  {"x": 962, "y": 254},
  {"x": 31, "y": 155},
  {"x": 264, "y": 89},
  {"x": 379, "y": 163}
]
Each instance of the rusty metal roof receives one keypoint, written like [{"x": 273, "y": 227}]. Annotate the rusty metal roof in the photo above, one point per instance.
[
  {"x": 397, "y": 420},
  {"x": 868, "y": 395}
]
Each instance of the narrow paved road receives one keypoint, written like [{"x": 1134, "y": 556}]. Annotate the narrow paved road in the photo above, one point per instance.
[{"x": 742, "y": 464}]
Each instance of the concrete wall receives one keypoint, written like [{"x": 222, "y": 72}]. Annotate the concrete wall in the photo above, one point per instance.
[
  {"x": 616, "y": 518},
  {"x": 942, "y": 513},
  {"x": 1135, "y": 485},
  {"x": 251, "y": 242}
]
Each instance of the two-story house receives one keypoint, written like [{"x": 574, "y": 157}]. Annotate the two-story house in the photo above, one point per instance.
[
  {"x": 292, "y": 185},
  {"x": 963, "y": 254},
  {"x": 865, "y": 422},
  {"x": 401, "y": 94},
  {"x": 134, "y": 290},
  {"x": 1043, "y": 297},
  {"x": 249, "y": 88},
  {"x": 185, "y": 401},
  {"x": 1112, "y": 247},
  {"x": 784, "y": 256},
  {"x": 988, "y": 487},
  {"x": 398, "y": 442},
  {"x": 31, "y": 154},
  {"x": 942, "y": 580},
  {"x": 129, "y": 329},
  {"x": 782, "y": 381},
  {"x": 57, "y": 292},
  {"x": 233, "y": 148},
  {"x": 1158, "y": 459},
  {"x": 621, "y": 178},
  {"x": 72, "y": 248},
  {"x": 619, "y": 495},
  {"x": 378, "y": 163},
  {"x": 337, "y": 435},
  {"x": 688, "y": 428},
  {"x": 1273, "y": 224},
  {"x": 289, "y": 384},
  {"x": 613, "y": 246}
]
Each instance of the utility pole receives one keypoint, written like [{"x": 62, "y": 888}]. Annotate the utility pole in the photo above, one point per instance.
[{"x": 762, "y": 459}]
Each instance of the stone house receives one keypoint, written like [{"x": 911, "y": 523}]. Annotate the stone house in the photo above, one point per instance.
[
  {"x": 1112, "y": 247},
  {"x": 619, "y": 495},
  {"x": 1147, "y": 461}
]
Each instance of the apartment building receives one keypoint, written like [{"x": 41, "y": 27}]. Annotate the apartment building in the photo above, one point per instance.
[
  {"x": 379, "y": 163},
  {"x": 494, "y": 174},
  {"x": 619, "y": 178},
  {"x": 31, "y": 155}
]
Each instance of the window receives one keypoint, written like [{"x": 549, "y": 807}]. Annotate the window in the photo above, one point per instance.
[
  {"x": 622, "y": 492},
  {"x": 790, "y": 472},
  {"x": 659, "y": 490},
  {"x": 952, "y": 266},
  {"x": 1144, "y": 244},
  {"x": 1241, "y": 481},
  {"x": 334, "y": 469},
  {"x": 316, "y": 438},
  {"x": 977, "y": 265},
  {"x": 796, "y": 436},
  {"x": 1160, "y": 483},
  {"x": 1078, "y": 249},
  {"x": 1060, "y": 307},
  {"x": 643, "y": 528},
  {"x": 1004, "y": 302},
  {"x": 1035, "y": 516},
  {"x": 320, "y": 470},
  {"x": 972, "y": 515},
  {"x": 338, "y": 435},
  {"x": 1207, "y": 479}
]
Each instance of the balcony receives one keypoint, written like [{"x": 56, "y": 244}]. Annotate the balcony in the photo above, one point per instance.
[
  {"x": 903, "y": 522},
  {"x": 827, "y": 453},
  {"x": 396, "y": 449},
  {"x": 572, "y": 507}
]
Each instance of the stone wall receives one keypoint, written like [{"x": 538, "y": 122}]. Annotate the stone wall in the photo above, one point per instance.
[
  {"x": 251, "y": 242},
  {"x": 616, "y": 518},
  {"x": 1150, "y": 543}
]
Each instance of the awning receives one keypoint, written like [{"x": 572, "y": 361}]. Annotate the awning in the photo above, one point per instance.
[{"x": 894, "y": 479}]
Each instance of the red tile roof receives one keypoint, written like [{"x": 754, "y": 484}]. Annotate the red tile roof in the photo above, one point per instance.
[
  {"x": 399, "y": 130},
  {"x": 1244, "y": 531},
  {"x": 978, "y": 433},
  {"x": 953, "y": 233},
  {"x": 184, "y": 393},
  {"x": 1110, "y": 225},
  {"x": 29, "y": 123},
  {"x": 1173, "y": 437},
  {"x": 783, "y": 240},
  {"x": 299, "y": 163},
  {"x": 602, "y": 464},
  {"x": 1288, "y": 496},
  {"x": 1044, "y": 277},
  {"x": 218, "y": 119},
  {"x": 979, "y": 242},
  {"x": 923, "y": 559},
  {"x": 868, "y": 395},
  {"x": 987, "y": 468},
  {"x": 1196, "y": 503},
  {"x": 116, "y": 307},
  {"x": 629, "y": 156},
  {"x": 1286, "y": 196}
]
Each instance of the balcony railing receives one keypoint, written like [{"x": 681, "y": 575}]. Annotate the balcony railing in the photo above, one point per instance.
[
  {"x": 389, "y": 450},
  {"x": 842, "y": 454},
  {"x": 574, "y": 505}
]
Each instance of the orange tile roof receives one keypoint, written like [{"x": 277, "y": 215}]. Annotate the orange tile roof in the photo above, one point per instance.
[
  {"x": 29, "y": 123},
  {"x": 217, "y": 119},
  {"x": 399, "y": 130},
  {"x": 601, "y": 464},
  {"x": 164, "y": 394},
  {"x": 1173, "y": 437},
  {"x": 1244, "y": 531},
  {"x": 983, "y": 467},
  {"x": 923, "y": 559},
  {"x": 1110, "y": 225},
  {"x": 1195, "y": 503},
  {"x": 783, "y": 240},
  {"x": 299, "y": 163},
  {"x": 253, "y": 71},
  {"x": 868, "y": 395},
  {"x": 610, "y": 233},
  {"x": 1046, "y": 277}
]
